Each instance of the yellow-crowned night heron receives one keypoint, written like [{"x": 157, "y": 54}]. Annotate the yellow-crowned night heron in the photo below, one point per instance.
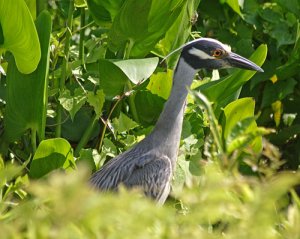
[{"x": 149, "y": 165}]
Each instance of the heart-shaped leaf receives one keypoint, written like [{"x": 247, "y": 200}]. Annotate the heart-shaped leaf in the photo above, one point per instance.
[{"x": 138, "y": 70}]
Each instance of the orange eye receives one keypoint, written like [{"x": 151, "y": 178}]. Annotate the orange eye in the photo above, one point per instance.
[{"x": 218, "y": 53}]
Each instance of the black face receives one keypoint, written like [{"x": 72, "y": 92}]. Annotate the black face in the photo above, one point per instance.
[{"x": 211, "y": 54}]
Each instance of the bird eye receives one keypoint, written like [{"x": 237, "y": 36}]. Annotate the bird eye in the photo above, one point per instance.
[{"x": 218, "y": 53}]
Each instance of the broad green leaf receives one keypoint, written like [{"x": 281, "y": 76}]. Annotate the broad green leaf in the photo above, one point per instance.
[
  {"x": 97, "y": 101},
  {"x": 31, "y": 4},
  {"x": 73, "y": 130},
  {"x": 161, "y": 84},
  {"x": 27, "y": 94},
  {"x": 104, "y": 12},
  {"x": 50, "y": 155},
  {"x": 138, "y": 70},
  {"x": 112, "y": 79},
  {"x": 178, "y": 33},
  {"x": 123, "y": 123},
  {"x": 141, "y": 24},
  {"x": 220, "y": 90},
  {"x": 235, "y": 113},
  {"x": 149, "y": 106},
  {"x": 72, "y": 103},
  {"x": 20, "y": 35}
]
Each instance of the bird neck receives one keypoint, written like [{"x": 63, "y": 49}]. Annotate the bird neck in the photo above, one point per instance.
[{"x": 168, "y": 128}]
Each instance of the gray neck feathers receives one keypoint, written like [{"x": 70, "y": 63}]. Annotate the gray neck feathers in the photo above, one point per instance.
[{"x": 167, "y": 131}]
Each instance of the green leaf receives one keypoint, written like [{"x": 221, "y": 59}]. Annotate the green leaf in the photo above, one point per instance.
[
  {"x": 161, "y": 84},
  {"x": 20, "y": 35},
  {"x": 104, "y": 12},
  {"x": 72, "y": 103},
  {"x": 234, "y": 4},
  {"x": 87, "y": 157},
  {"x": 31, "y": 4},
  {"x": 80, "y": 3},
  {"x": 178, "y": 33},
  {"x": 239, "y": 120},
  {"x": 27, "y": 94},
  {"x": 112, "y": 79},
  {"x": 123, "y": 123},
  {"x": 138, "y": 70},
  {"x": 73, "y": 130},
  {"x": 149, "y": 106},
  {"x": 96, "y": 101},
  {"x": 155, "y": 17},
  {"x": 278, "y": 91},
  {"x": 50, "y": 155}
]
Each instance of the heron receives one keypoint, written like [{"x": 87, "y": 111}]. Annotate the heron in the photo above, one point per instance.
[{"x": 149, "y": 165}]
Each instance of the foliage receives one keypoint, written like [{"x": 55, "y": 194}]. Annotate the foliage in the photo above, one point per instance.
[
  {"x": 19, "y": 36},
  {"x": 99, "y": 88}
]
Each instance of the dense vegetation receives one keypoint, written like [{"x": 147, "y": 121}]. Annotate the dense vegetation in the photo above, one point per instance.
[{"x": 82, "y": 81}]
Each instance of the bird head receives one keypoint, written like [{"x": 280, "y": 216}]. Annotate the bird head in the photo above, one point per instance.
[{"x": 211, "y": 54}]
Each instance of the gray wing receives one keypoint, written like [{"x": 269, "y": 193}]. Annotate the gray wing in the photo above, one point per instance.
[
  {"x": 154, "y": 178},
  {"x": 148, "y": 171}
]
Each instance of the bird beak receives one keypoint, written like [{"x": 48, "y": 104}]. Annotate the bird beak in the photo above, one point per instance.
[{"x": 238, "y": 61}]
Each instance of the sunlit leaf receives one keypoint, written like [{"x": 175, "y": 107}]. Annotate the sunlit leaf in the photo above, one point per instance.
[
  {"x": 234, "y": 4},
  {"x": 137, "y": 70},
  {"x": 72, "y": 103},
  {"x": 239, "y": 120},
  {"x": 97, "y": 101},
  {"x": 161, "y": 84},
  {"x": 123, "y": 123},
  {"x": 20, "y": 35},
  {"x": 80, "y": 3},
  {"x": 51, "y": 154}
]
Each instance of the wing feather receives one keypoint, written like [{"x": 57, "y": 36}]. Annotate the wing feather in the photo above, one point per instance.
[{"x": 134, "y": 168}]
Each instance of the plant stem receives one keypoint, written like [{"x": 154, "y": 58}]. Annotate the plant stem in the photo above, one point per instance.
[
  {"x": 131, "y": 103},
  {"x": 213, "y": 124},
  {"x": 106, "y": 123},
  {"x": 86, "y": 136},
  {"x": 129, "y": 86},
  {"x": 81, "y": 40},
  {"x": 64, "y": 66},
  {"x": 33, "y": 140}
]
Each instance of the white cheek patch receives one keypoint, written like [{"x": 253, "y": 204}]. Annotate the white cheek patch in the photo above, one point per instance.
[
  {"x": 227, "y": 48},
  {"x": 201, "y": 54}
]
